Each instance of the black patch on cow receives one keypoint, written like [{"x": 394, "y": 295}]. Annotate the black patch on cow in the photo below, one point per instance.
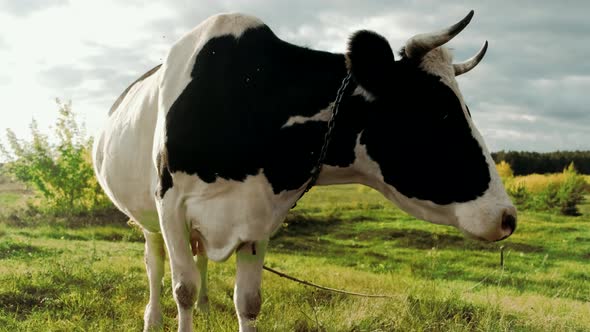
[
  {"x": 227, "y": 123},
  {"x": 165, "y": 178},
  {"x": 422, "y": 141},
  {"x": 141, "y": 78},
  {"x": 351, "y": 120},
  {"x": 371, "y": 61}
]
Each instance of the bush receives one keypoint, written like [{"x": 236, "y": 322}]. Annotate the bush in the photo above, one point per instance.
[
  {"x": 587, "y": 186},
  {"x": 547, "y": 199},
  {"x": 60, "y": 169},
  {"x": 571, "y": 192},
  {"x": 559, "y": 193},
  {"x": 521, "y": 197},
  {"x": 537, "y": 183}
]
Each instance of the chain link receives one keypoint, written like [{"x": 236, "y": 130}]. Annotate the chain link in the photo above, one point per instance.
[{"x": 315, "y": 172}]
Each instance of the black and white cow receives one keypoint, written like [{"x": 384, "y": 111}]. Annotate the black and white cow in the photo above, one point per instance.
[{"x": 210, "y": 150}]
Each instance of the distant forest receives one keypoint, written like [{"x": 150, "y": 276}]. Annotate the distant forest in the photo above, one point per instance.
[{"x": 523, "y": 162}]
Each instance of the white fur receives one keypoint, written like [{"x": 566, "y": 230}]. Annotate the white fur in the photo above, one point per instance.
[
  {"x": 323, "y": 115},
  {"x": 326, "y": 113},
  {"x": 186, "y": 279},
  {"x": 360, "y": 91},
  {"x": 122, "y": 154},
  {"x": 247, "y": 299},
  {"x": 154, "y": 263},
  {"x": 480, "y": 218},
  {"x": 439, "y": 62},
  {"x": 366, "y": 171},
  {"x": 225, "y": 213},
  {"x": 228, "y": 213},
  {"x": 181, "y": 58}
]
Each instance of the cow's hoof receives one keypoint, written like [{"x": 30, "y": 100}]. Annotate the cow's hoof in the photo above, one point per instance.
[
  {"x": 203, "y": 304},
  {"x": 152, "y": 319}
]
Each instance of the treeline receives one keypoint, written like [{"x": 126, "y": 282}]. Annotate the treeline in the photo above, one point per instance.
[{"x": 523, "y": 162}]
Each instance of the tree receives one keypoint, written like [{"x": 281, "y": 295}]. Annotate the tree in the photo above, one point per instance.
[
  {"x": 62, "y": 171},
  {"x": 524, "y": 162}
]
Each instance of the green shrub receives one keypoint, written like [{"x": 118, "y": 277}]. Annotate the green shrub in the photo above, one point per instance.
[
  {"x": 521, "y": 197},
  {"x": 571, "y": 192},
  {"x": 547, "y": 199},
  {"x": 558, "y": 193},
  {"x": 60, "y": 169}
]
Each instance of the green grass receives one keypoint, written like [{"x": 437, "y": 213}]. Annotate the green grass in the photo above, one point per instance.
[
  {"x": 585, "y": 208},
  {"x": 9, "y": 199},
  {"x": 54, "y": 278},
  {"x": 13, "y": 196}
]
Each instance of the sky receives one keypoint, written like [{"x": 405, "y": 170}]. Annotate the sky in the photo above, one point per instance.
[{"x": 531, "y": 91}]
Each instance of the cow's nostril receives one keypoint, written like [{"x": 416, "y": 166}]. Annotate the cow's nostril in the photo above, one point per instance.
[{"x": 508, "y": 222}]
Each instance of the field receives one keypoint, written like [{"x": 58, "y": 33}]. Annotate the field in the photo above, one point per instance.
[{"x": 54, "y": 278}]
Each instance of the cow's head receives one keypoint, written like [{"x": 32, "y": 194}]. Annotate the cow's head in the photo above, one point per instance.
[{"x": 420, "y": 147}]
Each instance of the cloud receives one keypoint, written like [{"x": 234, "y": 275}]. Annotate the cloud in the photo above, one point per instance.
[
  {"x": 26, "y": 7},
  {"x": 530, "y": 92},
  {"x": 62, "y": 76},
  {"x": 104, "y": 73}
]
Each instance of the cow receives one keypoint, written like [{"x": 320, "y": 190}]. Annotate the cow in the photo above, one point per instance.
[{"x": 210, "y": 150}]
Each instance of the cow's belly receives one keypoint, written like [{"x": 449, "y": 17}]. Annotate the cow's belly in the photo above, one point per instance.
[
  {"x": 227, "y": 213},
  {"x": 123, "y": 155}
]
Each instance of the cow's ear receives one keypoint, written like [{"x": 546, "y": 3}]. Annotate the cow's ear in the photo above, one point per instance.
[{"x": 371, "y": 61}]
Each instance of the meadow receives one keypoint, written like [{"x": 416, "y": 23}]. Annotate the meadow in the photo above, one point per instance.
[{"x": 57, "y": 276}]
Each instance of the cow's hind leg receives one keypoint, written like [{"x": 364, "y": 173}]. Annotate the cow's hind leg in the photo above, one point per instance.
[
  {"x": 200, "y": 257},
  {"x": 185, "y": 278},
  {"x": 154, "y": 263},
  {"x": 250, "y": 259},
  {"x": 203, "y": 299}
]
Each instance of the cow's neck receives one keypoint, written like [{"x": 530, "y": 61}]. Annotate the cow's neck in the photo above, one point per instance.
[{"x": 346, "y": 160}]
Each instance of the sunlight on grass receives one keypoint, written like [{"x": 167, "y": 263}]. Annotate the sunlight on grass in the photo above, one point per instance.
[{"x": 54, "y": 278}]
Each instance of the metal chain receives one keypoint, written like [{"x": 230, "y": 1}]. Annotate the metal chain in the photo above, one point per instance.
[{"x": 315, "y": 172}]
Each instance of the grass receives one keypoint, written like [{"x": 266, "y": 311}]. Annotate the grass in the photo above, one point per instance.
[
  {"x": 12, "y": 196},
  {"x": 55, "y": 278}
]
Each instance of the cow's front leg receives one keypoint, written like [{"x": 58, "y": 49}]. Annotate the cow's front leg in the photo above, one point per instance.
[
  {"x": 185, "y": 278},
  {"x": 154, "y": 264},
  {"x": 250, "y": 259}
]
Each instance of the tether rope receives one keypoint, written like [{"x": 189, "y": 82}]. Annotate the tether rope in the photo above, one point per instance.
[{"x": 307, "y": 283}]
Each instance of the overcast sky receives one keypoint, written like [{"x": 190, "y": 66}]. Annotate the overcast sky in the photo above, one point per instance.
[{"x": 531, "y": 92}]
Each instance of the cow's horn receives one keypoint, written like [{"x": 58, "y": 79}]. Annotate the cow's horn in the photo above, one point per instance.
[
  {"x": 463, "y": 67},
  {"x": 423, "y": 43}
]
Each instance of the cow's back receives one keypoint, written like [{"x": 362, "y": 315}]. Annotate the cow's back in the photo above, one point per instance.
[{"x": 123, "y": 150}]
